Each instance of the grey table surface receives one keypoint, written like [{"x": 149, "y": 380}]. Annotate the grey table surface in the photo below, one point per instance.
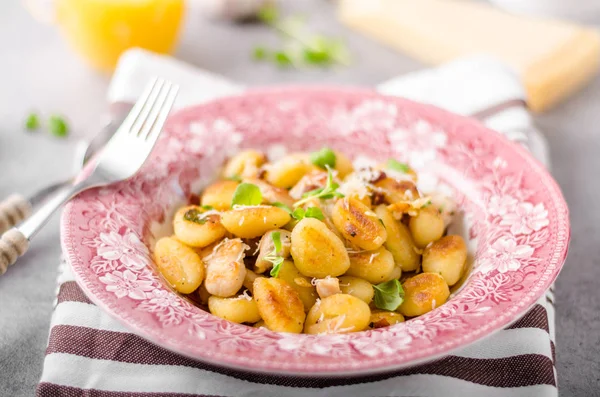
[{"x": 38, "y": 71}]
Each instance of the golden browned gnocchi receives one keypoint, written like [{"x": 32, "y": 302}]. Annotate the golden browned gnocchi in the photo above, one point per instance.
[
  {"x": 427, "y": 226},
  {"x": 373, "y": 266},
  {"x": 254, "y": 221},
  {"x": 279, "y": 305},
  {"x": 317, "y": 251},
  {"x": 382, "y": 318},
  {"x": 302, "y": 284},
  {"x": 197, "y": 227},
  {"x": 308, "y": 243},
  {"x": 358, "y": 224},
  {"x": 423, "y": 293},
  {"x": 245, "y": 164},
  {"x": 219, "y": 195},
  {"x": 286, "y": 172},
  {"x": 240, "y": 309},
  {"x": 362, "y": 289},
  {"x": 447, "y": 256},
  {"x": 337, "y": 314},
  {"x": 179, "y": 264},
  {"x": 399, "y": 241}
]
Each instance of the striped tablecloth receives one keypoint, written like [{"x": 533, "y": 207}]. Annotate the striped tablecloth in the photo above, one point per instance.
[{"x": 91, "y": 354}]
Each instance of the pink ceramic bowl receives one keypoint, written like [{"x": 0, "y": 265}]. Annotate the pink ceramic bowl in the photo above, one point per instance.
[{"x": 514, "y": 217}]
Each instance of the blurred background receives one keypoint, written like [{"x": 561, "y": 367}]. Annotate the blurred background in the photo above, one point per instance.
[{"x": 57, "y": 58}]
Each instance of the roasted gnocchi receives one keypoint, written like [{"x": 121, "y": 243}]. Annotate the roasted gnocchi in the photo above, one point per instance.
[{"x": 309, "y": 244}]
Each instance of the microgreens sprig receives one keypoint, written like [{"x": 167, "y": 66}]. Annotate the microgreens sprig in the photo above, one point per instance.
[
  {"x": 300, "y": 47},
  {"x": 272, "y": 257},
  {"x": 327, "y": 192},
  {"x": 282, "y": 206},
  {"x": 311, "y": 212}
]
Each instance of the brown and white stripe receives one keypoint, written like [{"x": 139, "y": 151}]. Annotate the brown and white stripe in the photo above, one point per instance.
[{"x": 91, "y": 354}]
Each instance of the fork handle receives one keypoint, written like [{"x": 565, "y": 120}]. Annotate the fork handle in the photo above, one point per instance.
[
  {"x": 13, "y": 244},
  {"x": 13, "y": 210}
]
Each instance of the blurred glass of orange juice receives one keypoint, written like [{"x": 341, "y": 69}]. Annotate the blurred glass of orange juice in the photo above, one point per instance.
[{"x": 102, "y": 29}]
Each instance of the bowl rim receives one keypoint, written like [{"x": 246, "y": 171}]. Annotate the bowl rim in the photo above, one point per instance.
[{"x": 540, "y": 286}]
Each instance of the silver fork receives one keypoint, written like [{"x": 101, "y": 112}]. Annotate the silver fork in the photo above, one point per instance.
[{"x": 121, "y": 159}]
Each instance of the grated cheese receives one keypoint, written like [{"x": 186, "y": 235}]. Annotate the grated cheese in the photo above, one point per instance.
[
  {"x": 239, "y": 207},
  {"x": 373, "y": 256},
  {"x": 243, "y": 296}
]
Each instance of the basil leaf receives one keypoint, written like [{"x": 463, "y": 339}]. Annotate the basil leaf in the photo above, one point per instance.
[
  {"x": 314, "y": 212},
  {"x": 388, "y": 295},
  {"x": 397, "y": 166},
  {"x": 323, "y": 158},
  {"x": 193, "y": 215},
  {"x": 208, "y": 207},
  {"x": 246, "y": 194},
  {"x": 283, "y": 207}
]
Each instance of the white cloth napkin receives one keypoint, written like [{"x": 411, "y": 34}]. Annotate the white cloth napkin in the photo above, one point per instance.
[{"x": 89, "y": 353}]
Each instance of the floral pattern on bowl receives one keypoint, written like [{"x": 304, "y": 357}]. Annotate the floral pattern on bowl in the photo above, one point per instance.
[{"x": 515, "y": 219}]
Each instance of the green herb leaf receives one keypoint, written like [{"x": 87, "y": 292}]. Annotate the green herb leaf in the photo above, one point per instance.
[
  {"x": 268, "y": 13},
  {"x": 299, "y": 47},
  {"x": 32, "y": 122},
  {"x": 283, "y": 207},
  {"x": 58, "y": 126},
  {"x": 397, "y": 166},
  {"x": 314, "y": 212},
  {"x": 427, "y": 204},
  {"x": 208, "y": 207},
  {"x": 260, "y": 53},
  {"x": 236, "y": 178},
  {"x": 282, "y": 59},
  {"x": 246, "y": 194},
  {"x": 327, "y": 192},
  {"x": 389, "y": 295},
  {"x": 273, "y": 257},
  {"x": 319, "y": 57},
  {"x": 276, "y": 266},
  {"x": 299, "y": 213},
  {"x": 276, "y": 237},
  {"x": 323, "y": 158},
  {"x": 193, "y": 215}
]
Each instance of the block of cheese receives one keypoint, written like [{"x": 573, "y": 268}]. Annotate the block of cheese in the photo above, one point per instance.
[{"x": 553, "y": 58}]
